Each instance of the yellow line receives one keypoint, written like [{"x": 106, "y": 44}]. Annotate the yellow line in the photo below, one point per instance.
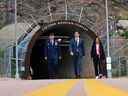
[
  {"x": 56, "y": 89},
  {"x": 98, "y": 88}
]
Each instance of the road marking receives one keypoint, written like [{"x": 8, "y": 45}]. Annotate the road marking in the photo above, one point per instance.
[
  {"x": 98, "y": 88},
  {"x": 57, "y": 89}
]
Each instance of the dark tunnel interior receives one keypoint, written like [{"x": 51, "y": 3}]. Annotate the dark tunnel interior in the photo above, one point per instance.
[{"x": 39, "y": 64}]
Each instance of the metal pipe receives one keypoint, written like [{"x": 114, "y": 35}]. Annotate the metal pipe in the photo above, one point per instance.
[
  {"x": 66, "y": 10},
  {"x": 108, "y": 51},
  {"x": 81, "y": 12},
  {"x": 16, "y": 43},
  {"x": 50, "y": 13}
]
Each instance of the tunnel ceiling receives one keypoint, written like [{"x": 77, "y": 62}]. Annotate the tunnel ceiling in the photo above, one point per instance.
[{"x": 66, "y": 25}]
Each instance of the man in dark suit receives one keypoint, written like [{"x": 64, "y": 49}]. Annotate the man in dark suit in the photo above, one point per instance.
[
  {"x": 52, "y": 55},
  {"x": 77, "y": 51}
]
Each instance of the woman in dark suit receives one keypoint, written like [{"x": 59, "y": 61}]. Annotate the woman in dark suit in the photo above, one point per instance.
[{"x": 99, "y": 59}]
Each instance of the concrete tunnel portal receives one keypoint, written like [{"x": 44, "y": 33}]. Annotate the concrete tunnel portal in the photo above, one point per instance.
[{"x": 63, "y": 29}]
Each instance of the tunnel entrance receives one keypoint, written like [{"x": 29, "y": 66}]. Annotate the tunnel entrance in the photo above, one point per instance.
[{"x": 63, "y": 30}]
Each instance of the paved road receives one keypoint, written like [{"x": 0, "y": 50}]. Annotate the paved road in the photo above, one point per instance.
[{"x": 72, "y": 87}]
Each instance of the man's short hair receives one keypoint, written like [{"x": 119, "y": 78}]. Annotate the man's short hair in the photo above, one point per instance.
[
  {"x": 51, "y": 34},
  {"x": 77, "y": 32}
]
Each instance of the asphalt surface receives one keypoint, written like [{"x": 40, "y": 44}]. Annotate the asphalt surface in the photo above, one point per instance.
[{"x": 65, "y": 87}]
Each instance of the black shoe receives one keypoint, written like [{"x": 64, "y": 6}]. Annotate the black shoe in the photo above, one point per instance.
[{"x": 77, "y": 76}]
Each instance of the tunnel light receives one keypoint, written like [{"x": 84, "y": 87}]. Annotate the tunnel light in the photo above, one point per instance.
[{"x": 59, "y": 40}]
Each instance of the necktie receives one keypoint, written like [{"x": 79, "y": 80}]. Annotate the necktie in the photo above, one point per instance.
[{"x": 77, "y": 41}]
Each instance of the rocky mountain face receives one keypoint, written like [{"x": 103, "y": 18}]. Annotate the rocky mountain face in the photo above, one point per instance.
[{"x": 93, "y": 14}]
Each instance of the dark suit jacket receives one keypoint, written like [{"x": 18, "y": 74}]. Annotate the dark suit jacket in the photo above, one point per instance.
[
  {"x": 79, "y": 50},
  {"x": 102, "y": 57},
  {"x": 93, "y": 51},
  {"x": 52, "y": 51}
]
